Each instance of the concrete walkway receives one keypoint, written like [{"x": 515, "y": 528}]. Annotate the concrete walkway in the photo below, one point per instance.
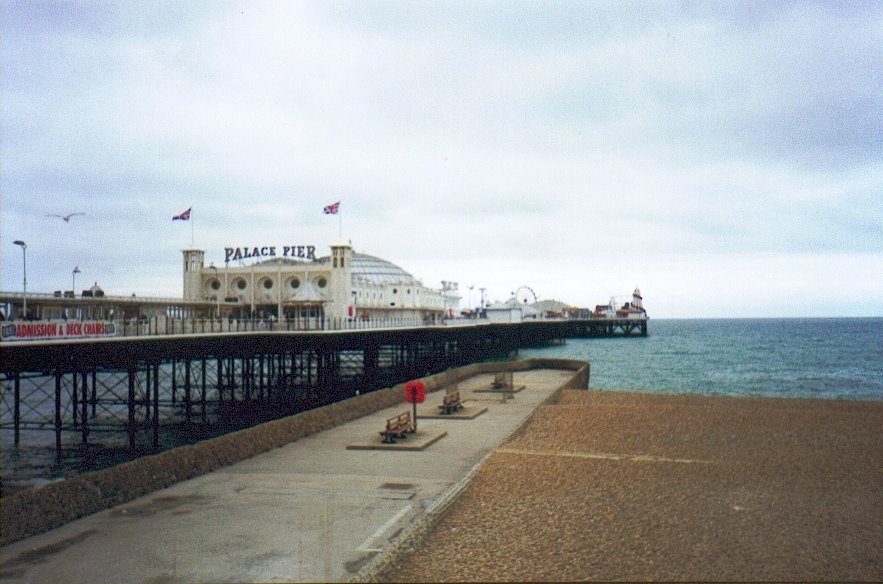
[{"x": 313, "y": 510}]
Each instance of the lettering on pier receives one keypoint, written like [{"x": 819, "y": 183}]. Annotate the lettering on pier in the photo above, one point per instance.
[
  {"x": 23, "y": 330},
  {"x": 306, "y": 252}
]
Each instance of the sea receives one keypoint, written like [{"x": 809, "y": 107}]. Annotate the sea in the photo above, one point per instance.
[{"x": 819, "y": 358}]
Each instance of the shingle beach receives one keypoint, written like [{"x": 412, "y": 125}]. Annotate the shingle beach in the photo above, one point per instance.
[{"x": 638, "y": 487}]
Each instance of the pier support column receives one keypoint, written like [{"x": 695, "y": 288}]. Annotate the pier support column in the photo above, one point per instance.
[
  {"x": 85, "y": 409},
  {"x": 94, "y": 400},
  {"x": 202, "y": 391},
  {"x": 75, "y": 399},
  {"x": 187, "y": 398},
  {"x": 155, "y": 421},
  {"x": 16, "y": 408},
  {"x": 131, "y": 427},
  {"x": 58, "y": 413}
]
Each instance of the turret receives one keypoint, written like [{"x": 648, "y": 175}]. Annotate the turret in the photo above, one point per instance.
[
  {"x": 194, "y": 261},
  {"x": 637, "y": 300},
  {"x": 341, "y": 281}
]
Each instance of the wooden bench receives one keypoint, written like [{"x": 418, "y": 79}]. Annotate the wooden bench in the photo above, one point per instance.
[
  {"x": 397, "y": 427},
  {"x": 502, "y": 380},
  {"x": 451, "y": 403}
]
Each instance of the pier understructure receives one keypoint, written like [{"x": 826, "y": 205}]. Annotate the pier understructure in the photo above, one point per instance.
[{"x": 199, "y": 385}]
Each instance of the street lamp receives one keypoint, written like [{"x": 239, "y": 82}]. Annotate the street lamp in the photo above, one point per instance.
[
  {"x": 74, "y": 279},
  {"x": 24, "y": 261}
]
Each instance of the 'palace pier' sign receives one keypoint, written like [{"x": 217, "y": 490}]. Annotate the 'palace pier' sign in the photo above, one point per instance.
[{"x": 306, "y": 252}]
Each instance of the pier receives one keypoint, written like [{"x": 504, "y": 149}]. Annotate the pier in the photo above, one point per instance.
[{"x": 136, "y": 385}]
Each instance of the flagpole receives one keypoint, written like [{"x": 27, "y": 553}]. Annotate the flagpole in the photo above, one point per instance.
[
  {"x": 340, "y": 226},
  {"x": 192, "y": 238}
]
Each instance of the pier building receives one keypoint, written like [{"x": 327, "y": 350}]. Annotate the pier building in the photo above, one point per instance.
[{"x": 292, "y": 283}]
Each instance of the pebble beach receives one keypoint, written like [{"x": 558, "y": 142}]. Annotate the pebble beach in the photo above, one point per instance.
[{"x": 617, "y": 486}]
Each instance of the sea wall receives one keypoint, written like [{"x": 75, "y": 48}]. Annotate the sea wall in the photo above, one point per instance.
[{"x": 28, "y": 513}]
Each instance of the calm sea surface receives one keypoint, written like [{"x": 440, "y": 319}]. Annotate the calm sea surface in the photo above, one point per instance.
[{"x": 814, "y": 358}]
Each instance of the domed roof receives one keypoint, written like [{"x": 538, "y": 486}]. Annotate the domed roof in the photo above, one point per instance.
[
  {"x": 364, "y": 267},
  {"x": 378, "y": 271}
]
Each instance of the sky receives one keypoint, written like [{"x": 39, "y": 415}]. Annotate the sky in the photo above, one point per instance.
[{"x": 725, "y": 157}]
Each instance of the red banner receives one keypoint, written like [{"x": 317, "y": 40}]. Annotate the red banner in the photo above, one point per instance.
[{"x": 56, "y": 329}]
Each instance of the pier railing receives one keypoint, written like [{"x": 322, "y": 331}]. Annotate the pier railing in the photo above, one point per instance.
[
  {"x": 177, "y": 326},
  {"x": 167, "y": 326}
]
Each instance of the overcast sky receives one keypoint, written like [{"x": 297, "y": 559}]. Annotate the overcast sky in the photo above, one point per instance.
[{"x": 725, "y": 157}]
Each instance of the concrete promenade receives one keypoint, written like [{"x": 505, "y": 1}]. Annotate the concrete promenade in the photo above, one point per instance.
[{"x": 312, "y": 510}]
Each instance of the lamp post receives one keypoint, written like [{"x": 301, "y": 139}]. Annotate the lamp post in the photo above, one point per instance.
[
  {"x": 74, "y": 279},
  {"x": 24, "y": 261}
]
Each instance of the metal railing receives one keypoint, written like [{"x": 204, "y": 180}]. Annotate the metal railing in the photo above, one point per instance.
[
  {"x": 167, "y": 326},
  {"x": 174, "y": 326}
]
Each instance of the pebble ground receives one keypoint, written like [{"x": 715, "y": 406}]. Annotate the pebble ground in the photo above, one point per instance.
[{"x": 617, "y": 486}]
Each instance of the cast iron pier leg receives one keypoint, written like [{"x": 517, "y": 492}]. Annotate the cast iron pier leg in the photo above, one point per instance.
[
  {"x": 58, "y": 413},
  {"x": 16, "y": 413},
  {"x": 187, "y": 405},
  {"x": 131, "y": 426},
  {"x": 85, "y": 408},
  {"x": 155, "y": 405},
  {"x": 75, "y": 398},
  {"x": 202, "y": 390}
]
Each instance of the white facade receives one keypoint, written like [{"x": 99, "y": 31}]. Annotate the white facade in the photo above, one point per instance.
[
  {"x": 504, "y": 313},
  {"x": 344, "y": 284}
]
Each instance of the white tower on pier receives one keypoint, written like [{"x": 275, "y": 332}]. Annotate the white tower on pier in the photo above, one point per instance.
[
  {"x": 637, "y": 299},
  {"x": 342, "y": 299},
  {"x": 194, "y": 261}
]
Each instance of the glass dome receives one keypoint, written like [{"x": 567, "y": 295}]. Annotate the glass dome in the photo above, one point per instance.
[
  {"x": 364, "y": 268},
  {"x": 377, "y": 271}
]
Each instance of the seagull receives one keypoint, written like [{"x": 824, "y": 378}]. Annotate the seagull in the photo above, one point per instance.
[{"x": 67, "y": 217}]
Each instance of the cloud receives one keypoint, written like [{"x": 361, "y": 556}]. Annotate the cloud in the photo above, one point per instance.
[{"x": 567, "y": 147}]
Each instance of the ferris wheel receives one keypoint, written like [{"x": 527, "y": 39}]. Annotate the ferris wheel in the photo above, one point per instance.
[{"x": 525, "y": 295}]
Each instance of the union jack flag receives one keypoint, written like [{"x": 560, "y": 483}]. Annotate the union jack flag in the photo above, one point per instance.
[
  {"x": 332, "y": 209},
  {"x": 185, "y": 216}
]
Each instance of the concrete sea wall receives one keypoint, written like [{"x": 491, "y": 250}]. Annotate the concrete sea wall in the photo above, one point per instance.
[{"x": 28, "y": 513}]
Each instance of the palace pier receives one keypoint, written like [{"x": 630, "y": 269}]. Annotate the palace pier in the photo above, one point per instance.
[{"x": 133, "y": 386}]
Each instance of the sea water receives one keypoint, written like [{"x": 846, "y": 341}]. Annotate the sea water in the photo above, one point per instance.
[
  {"x": 827, "y": 358},
  {"x": 814, "y": 358}
]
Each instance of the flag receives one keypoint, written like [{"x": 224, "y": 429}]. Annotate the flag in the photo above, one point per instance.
[
  {"x": 332, "y": 209},
  {"x": 185, "y": 216}
]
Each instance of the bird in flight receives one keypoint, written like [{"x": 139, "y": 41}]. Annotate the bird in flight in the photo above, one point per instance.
[{"x": 67, "y": 217}]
